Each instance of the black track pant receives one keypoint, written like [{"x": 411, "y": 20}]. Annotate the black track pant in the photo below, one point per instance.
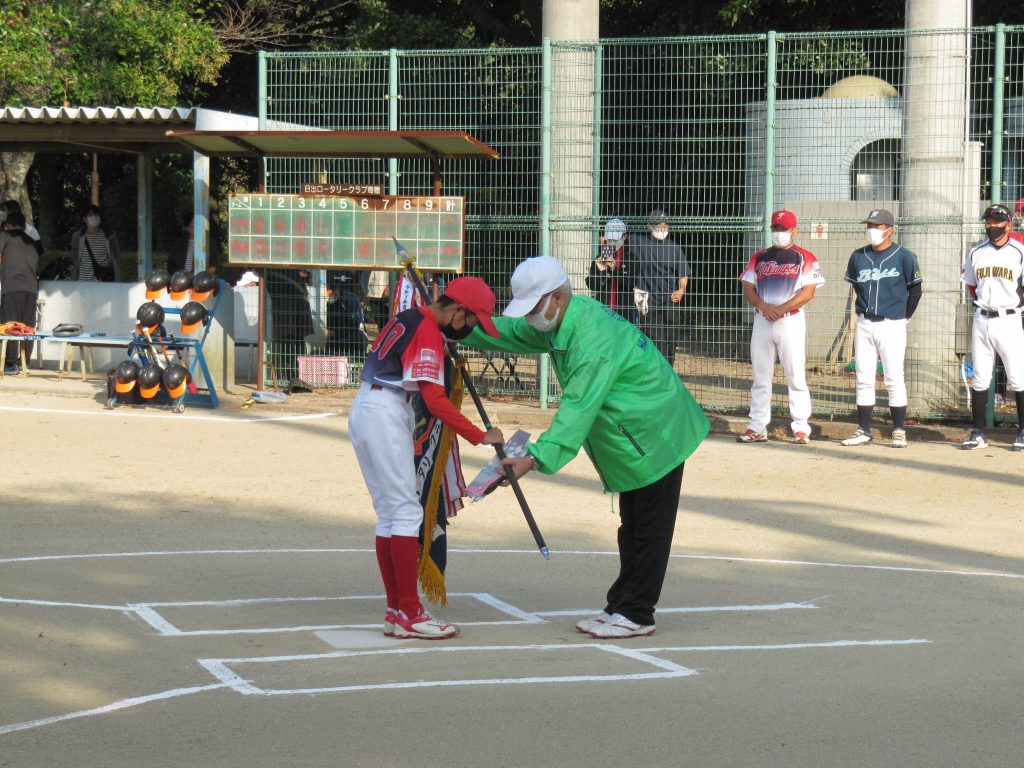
[
  {"x": 20, "y": 306},
  {"x": 648, "y": 519}
]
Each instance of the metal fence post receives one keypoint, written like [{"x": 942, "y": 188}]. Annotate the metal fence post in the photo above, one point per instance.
[
  {"x": 393, "y": 116},
  {"x": 545, "y": 188},
  {"x": 261, "y": 101},
  {"x": 595, "y": 195},
  {"x": 771, "y": 83},
  {"x": 998, "y": 78}
]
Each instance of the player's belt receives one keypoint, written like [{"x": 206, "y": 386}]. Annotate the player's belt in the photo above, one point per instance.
[
  {"x": 382, "y": 388},
  {"x": 872, "y": 317},
  {"x": 996, "y": 312}
]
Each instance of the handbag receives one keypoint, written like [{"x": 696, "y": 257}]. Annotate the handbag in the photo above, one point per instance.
[{"x": 105, "y": 274}]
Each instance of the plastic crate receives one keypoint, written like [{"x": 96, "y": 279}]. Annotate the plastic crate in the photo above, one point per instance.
[{"x": 323, "y": 371}]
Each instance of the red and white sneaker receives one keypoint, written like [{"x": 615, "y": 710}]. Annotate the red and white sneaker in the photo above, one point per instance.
[
  {"x": 423, "y": 626},
  {"x": 802, "y": 438},
  {"x": 389, "y": 622},
  {"x": 750, "y": 436},
  {"x": 619, "y": 626},
  {"x": 585, "y": 625}
]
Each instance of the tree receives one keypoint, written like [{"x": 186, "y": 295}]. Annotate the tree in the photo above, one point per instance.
[{"x": 101, "y": 52}]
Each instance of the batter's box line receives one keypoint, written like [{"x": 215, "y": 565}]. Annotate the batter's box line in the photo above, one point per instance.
[
  {"x": 149, "y": 613},
  {"x": 221, "y": 670},
  {"x": 697, "y": 609}
]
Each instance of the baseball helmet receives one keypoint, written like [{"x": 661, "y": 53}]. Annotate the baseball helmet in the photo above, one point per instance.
[
  {"x": 156, "y": 281},
  {"x": 192, "y": 315},
  {"x": 203, "y": 284},
  {"x": 179, "y": 285},
  {"x": 125, "y": 376},
  {"x": 150, "y": 315},
  {"x": 149, "y": 380},
  {"x": 175, "y": 378}
]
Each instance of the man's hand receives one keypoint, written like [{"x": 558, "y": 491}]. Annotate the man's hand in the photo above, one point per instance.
[
  {"x": 677, "y": 296},
  {"x": 517, "y": 466},
  {"x": 771, "y": 312},
  {"x": 493, "y": 436}
]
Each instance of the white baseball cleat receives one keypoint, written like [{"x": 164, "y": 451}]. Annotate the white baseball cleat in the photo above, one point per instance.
[
  {"x": 424, "y": 626},
  {"x": 585, "y": 625},
  {"x": 1018, "y": 444},
  {"x": 750, "y": 436},
  {"x": 974, "y": 441},
  {"x": 860, "y": 437},
  {"x": 899, "y": 438},
  {"x": 619, "y": 626}
]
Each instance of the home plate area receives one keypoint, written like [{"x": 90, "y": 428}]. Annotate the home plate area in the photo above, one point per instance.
[{"x": 364, "y": 659}]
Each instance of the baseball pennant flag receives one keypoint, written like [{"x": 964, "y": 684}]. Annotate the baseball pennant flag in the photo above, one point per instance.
[{"x": 439, "y": 480}]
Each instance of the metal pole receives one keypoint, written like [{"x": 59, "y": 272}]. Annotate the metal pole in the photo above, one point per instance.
[
  {"x": 998, "y": 81},
  {"x": 545, "y": 188},
  {"x": 393, "y": 117},
  {"x": 771, "y": 83},
  {"x": 595, "y": 190}
]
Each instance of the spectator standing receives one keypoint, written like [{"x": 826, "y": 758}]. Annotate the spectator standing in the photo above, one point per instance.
[
  {"x": 94, "y": 249},
  {"x": 778, "y": 282},
  {"x": 19, "y": 286},
  {"x": 13, "y": 206},
  {"x": 661, "y": 273},
  {"x": 609, "y": 278}
]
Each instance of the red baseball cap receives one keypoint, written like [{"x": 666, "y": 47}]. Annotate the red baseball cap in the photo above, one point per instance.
[
  {"x": 474, "y": 294},
  {"x": 785, "y": 219}
]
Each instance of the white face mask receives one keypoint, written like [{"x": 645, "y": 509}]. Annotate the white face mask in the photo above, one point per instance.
[
  {"x": 875, "y": 235},
  {"x": 539, "y": 322},
  {"x": 659, "y": 234},
  {"x": 92, "y": 221},
  {"x": 781, "y": 239}
]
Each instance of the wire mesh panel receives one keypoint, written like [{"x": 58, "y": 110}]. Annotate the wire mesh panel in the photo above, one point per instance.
[{"x": 716, "y": 132}]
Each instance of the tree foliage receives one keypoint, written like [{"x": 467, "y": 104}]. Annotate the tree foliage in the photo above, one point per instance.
[{"x": 106, "y": 52}]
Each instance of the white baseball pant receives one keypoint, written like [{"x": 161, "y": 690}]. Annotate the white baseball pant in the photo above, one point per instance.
[
  {"x": 885, "y": 339},
  {"x": 380, "y": 426},
  {"x": 1003, "y": 336},
  {"x": 786, "y": 339}
]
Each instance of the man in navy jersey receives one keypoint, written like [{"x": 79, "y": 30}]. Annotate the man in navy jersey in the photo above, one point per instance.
[
  {"x": 887, "y": 280},
  {"x": 777, "y": 283},
  {"x": 406, "y": 360}
]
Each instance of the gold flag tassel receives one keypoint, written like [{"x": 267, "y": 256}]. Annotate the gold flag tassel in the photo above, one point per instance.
[{"x": 431, "y": 578}]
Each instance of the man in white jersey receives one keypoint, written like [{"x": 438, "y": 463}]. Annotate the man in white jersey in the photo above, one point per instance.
[
  {"x": 993, "y": 274},
  {"x": 777, "y": 283}
]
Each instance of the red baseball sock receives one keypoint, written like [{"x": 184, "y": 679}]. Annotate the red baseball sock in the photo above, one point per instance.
[
  {"x": 387, "y": 570},
  {"x": 405, "y": 556}
]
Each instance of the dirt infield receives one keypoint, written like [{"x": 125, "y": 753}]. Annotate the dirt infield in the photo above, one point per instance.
[{"x": 200, "y": 590}]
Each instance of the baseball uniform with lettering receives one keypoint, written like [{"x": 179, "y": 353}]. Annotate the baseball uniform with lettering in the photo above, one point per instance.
[
  {"x": 996, "y": 275},
  {"x": 881, "y": 281},
  {"x": 778, "y": 274}
]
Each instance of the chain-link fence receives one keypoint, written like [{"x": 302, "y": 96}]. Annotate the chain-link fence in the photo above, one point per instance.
[{"x": 717, "y": 132}]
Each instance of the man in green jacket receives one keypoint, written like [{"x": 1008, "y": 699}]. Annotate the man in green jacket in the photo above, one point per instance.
[{"x": 624, "y": 405}]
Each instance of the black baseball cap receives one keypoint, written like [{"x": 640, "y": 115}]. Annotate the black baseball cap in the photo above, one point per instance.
[
  {"x": 880, "y": 216},
  {"x": 997, "y": 212}
]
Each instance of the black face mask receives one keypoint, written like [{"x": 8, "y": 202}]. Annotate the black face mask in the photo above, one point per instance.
[
  {"x": 456, "y": 334},
  {"x": 994, "y": 233}
]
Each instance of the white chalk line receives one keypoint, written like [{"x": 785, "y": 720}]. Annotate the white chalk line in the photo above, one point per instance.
[
  {"x": 63, "y": 604},
  {"x": 697, "y": 609},
  {"x": 175, "y": 416},
  {"x": 148, "y": 613},
  {"x": 220, "y": 669},
  {"x": 113, "y": 707},
  {"x": 604, "y": 553},
  {"x": 788, "y": 646}
]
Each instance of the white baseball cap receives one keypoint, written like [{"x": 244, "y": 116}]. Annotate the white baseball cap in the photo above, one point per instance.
[
  {"x": 532, "y": 279},
  {"x": 614, "y": 229}
]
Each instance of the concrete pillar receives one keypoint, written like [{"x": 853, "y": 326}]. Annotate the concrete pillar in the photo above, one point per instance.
[
  {"x": 201, "y": 207},
  {"x": 934, "y": 187},
  {"x": 572, "y": 132}
]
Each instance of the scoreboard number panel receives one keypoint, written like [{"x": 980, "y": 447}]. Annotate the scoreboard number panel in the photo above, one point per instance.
[{"x": 345, "y": 231}]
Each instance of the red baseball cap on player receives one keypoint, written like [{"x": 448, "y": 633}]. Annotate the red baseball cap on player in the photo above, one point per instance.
[
  {"x": 474, "y": 294},
  {"x": 785, "y": 219}
]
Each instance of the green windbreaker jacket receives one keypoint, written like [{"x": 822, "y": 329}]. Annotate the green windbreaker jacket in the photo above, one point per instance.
[{"x": 621, "y": 402}]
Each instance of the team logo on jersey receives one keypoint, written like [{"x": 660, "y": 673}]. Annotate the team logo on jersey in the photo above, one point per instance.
[
  {"x": 870, "y": 275},
  {"x": 427, "y": 365},
  {"x": 770, "y": 269}
]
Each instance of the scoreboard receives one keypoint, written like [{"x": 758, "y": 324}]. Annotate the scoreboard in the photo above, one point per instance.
[{"x": 351, "y": 232}]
